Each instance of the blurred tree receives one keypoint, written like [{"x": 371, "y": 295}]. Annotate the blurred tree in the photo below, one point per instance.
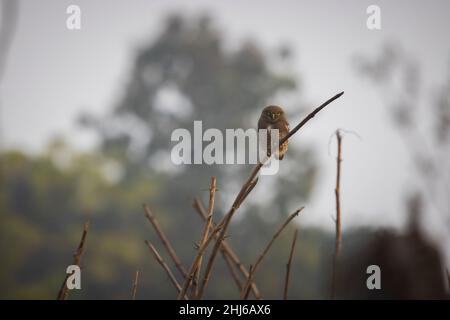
[
  {"x": 45, "y": 199},
  {"x": 187, "y": 74},
  {"x": 424, "y": 124},
  {"x": 411, "y": 266}
]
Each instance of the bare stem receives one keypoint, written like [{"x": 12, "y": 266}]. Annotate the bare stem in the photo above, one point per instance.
[
  {"x": 246, "y": 290},
  {"x": 64, "y": 291},
  {"x": 309, "y": 117},
  {"x": 288, "y": 266},
  {"x": 228, "y": 251},
  {"x": 194, "y": 265},
  {"x": 234, "y": 275},
  {"x": 165, "y": 241},
  {"x": 208, "y": 225},
  {"x": 338, "y": 240},
  {"x": 135, "y": 285},
  {"x": 164, "y": 265}
]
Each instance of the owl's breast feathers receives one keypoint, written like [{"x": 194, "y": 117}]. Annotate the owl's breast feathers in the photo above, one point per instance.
[{"x": 283, "y": 129}]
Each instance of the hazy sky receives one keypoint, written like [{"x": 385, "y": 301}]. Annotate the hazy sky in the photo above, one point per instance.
[{"x": 54, "y": 73}]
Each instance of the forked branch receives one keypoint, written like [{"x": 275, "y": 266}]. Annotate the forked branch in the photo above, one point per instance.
[
  {"x": 229, "y": 253},
  {"x": 194, "y": 265},
  {"x": 208, "y": 225},
  {"x": 250, "y": 184}
]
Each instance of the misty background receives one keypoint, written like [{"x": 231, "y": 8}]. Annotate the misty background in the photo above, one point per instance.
[{"x": 86, "y": 117}]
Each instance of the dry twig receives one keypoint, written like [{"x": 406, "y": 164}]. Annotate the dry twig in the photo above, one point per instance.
[
  {"x": 227, "y": 251},
  {"x": 135, "y": 285},
  {"x": 309, "y": 117},
  {"x": 194, "y": 265},
  {"x": 64, "y": 291},
  {"x": 165, "y": 241},
  {"x": 288, "y": 266},
  {"x": 246, "y": 290},
  {"x": 234, "y": 275},
  {"x": 164, "y": 266},
  {"x": 208, "y": 225},
  {"x": 337, "y": 248}
]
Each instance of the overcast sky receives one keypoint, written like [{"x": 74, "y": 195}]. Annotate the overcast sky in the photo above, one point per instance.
[{"x": 53, "y": 74}]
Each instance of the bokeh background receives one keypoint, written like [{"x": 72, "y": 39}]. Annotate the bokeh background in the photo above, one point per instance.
[{"x": 86, "y": 117}]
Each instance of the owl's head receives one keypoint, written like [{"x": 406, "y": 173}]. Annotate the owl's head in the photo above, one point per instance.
[{"x": 272, "y": 113}]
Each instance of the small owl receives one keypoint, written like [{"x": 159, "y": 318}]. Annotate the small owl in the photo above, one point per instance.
[{"x": 272, "y": 117}]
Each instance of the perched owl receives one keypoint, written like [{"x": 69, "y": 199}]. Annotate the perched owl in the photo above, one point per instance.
[{"x": 272, "y": 117}]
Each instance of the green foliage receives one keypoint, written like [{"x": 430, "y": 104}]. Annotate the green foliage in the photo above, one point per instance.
[{"x": 37, "y": 242}]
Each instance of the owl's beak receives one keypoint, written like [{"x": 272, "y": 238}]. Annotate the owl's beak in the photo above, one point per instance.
[{"x": 273, "y": 116}]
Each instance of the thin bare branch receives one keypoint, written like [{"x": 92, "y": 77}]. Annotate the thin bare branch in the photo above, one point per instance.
[
  {"x": 164, "y": 265},
  {"x": 246, "y": 290},
  {"x": 234, "y": 275},
  {"x": 135, "y": 285},
  {"x": 288, "y": 266},
  {"x": 250, "y": 188},
  {"x": 250, "y": 184},
  {"x": 228, "y": 251},
  {"x": 64, "y": 291},
  {"x": 309, "y": 117},
  {"x": 165, "y": 241},
  {"x": 208, "y": 225},
  {"x": 338, "y": 241}
]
